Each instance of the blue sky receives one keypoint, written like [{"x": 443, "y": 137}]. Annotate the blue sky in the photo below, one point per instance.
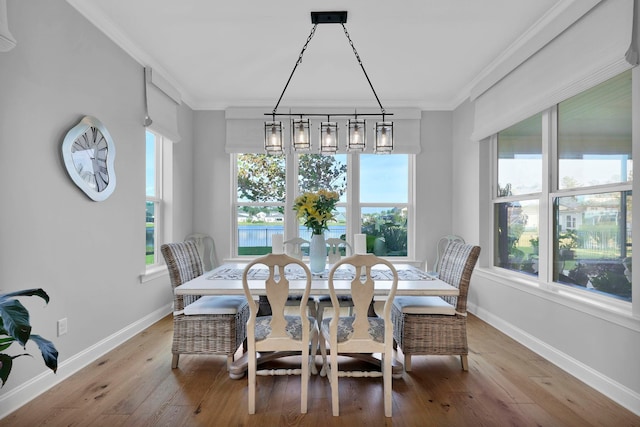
[{"x": 384, "y": 178}]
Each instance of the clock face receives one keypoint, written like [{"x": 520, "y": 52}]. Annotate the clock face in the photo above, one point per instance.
[{"x": 88, "y": 152}]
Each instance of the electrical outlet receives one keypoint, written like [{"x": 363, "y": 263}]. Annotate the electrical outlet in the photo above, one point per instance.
[{"x": 62, "y": 326}]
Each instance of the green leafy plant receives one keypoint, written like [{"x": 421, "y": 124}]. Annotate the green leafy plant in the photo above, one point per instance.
[{"x": 15, "y": 328}]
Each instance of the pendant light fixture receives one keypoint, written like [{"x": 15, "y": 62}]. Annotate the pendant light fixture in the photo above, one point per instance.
[
  {"x": 273, "y": 137},
  {"x": 384, "y": 137},
  {"x": 356, "y": 136},
  {"x": 300, "y": 134},
  {"x": 300, "y": 127},
  {"x": 328, "y": 137}
]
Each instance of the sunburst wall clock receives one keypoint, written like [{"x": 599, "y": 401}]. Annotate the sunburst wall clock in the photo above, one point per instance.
[{"x": 88, "y": 152}]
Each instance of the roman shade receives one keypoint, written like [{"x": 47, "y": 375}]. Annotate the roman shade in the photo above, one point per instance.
[
  {"x": 598, "y": 46},
  {"x": 245, "y": 130},
  {"x": 162, "y": 103}
]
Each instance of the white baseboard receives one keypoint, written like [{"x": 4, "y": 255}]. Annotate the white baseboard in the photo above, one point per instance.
[
  {"x": 617, "y": 392},
  {"x": 43, "y": 382}
]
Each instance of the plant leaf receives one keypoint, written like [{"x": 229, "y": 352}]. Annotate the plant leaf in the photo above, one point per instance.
[
  {"x": 15, "y": 319},
  {"x": 48, "y": 350},
  {"x": 6, "y": 362},
  {"x": 5, "y": 343},
  {"x": 27, "y": 293}
]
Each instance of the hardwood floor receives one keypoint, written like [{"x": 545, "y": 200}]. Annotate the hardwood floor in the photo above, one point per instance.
[{"x": 506, "y": 385}]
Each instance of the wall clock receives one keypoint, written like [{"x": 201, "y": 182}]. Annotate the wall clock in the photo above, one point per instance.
[{"x": 88, "y": 152}]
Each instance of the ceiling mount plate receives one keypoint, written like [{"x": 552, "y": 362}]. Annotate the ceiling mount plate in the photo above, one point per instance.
[{"x": 329, "y": 17}]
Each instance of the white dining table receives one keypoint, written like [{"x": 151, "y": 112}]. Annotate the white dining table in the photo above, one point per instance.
[{"x": 227, "y": 280}]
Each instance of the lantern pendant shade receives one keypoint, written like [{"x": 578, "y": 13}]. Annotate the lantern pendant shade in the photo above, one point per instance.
[
  {"x": 356, "y": 135},
  {"x": 300, "y": 134},
  {"x": 328, "y": 137},
  {"x": 384, "y": 138},
  {"x": 273, "y": 137}
]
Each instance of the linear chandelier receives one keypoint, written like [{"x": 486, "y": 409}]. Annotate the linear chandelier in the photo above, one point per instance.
[{"x": 300, "y": 127}]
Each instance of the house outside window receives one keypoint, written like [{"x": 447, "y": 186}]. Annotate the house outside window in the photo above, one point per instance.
[{"x": 587, "y": 155}]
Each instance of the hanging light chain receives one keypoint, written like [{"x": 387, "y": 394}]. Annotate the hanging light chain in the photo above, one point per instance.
[
  {"x": 355, "y": 52},
  {"x": 298, "y": 62}
]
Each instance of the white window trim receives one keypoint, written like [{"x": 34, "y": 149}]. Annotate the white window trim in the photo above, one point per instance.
[
  {"x": 164, "y": 177},
  {"x": 353, "y": 207},
  {"x": 605, "y": 307}
]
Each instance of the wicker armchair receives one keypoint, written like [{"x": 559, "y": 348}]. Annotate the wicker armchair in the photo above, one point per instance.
[
  {"x": 437, "y": 325},
  {"x": 202, "y": 325}
]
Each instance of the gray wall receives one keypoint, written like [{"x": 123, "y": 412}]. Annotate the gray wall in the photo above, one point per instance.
[{"x": 87, "y": 255}]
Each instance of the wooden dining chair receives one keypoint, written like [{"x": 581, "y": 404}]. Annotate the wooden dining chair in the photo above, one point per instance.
[
  {"x": 202, "y": 325},
  {"x": 359, "y": 333},
  {"x": 280, "y": 331},
  {"x": 206, "y": 248},
  {"x": 433, "y": 325}
]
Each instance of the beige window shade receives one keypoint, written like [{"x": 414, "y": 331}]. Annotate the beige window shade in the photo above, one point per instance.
[
  {"x": 162, "y": 102},
  {"x": 597, "y": 47}
]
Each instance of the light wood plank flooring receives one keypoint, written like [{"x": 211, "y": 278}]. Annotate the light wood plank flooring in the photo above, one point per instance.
[{"x": 506, "y": 385}]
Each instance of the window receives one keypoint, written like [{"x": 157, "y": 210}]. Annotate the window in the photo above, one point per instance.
[
  {"x": 591, "y": 168},
  {"x": 519, "y": 187},
  {"x": 153, "y": 197},
  {"x": 374, "y": 198},
  {"x": 384, "y": 203}
]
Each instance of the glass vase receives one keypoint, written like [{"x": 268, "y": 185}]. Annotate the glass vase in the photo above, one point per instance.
[{"x": 317, "y": 253}]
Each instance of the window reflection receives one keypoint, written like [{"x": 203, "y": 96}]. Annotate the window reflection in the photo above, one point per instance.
[
  {"x": 517, "y": 236},
  {"x": 593, "y": 242}
]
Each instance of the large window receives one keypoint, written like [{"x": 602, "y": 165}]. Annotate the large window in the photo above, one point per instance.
[
  {"x": 587, "y": 156},
  {"x": 153, "y": 196},
  {"x": 374, "y": 198}
]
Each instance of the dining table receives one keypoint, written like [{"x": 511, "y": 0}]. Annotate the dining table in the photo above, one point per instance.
[{"x": 227, "y": 280}]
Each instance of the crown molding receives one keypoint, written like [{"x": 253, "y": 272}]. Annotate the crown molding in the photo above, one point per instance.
[{"x": 560, "y": 17}]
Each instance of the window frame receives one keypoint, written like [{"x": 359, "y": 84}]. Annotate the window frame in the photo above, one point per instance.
[
  {"x": 162, "y": 183},
  {"x": 352, "y": 205},
  {"x": 547, "y": 197}
]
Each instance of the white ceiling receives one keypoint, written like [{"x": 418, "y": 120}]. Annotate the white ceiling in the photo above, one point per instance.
[{"x": 417, "y": 53}]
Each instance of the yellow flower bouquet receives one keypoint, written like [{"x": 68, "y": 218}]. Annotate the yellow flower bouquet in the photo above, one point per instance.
[{"x": 316, "y": 209}]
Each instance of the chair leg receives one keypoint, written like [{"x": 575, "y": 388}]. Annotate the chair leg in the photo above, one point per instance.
[
  {"x": 313, "y": 352},
  {"x": 387, "y": 384},
  {"x": 319, "y": 314},
  {"x": 251, "y": 380},
  {"x": 304, "y": 379},
  {"x": 465, "y": 362},
  {"x": 229, "y": 361},
  {"x": 407, "y": 362},
  {"x": 335, "y": 402},
  {"x": 323, "y": 352},
  {"x": 174, "y": 361}
]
